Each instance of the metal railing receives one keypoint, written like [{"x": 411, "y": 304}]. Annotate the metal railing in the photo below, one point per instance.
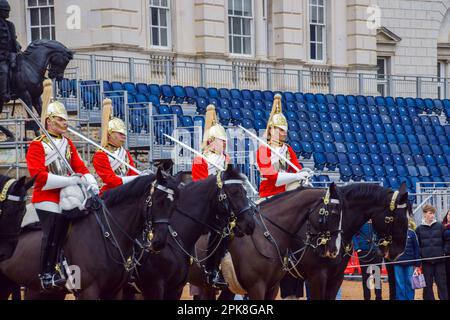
[
  {"x": 435, "y": 193},
  {"x": 256, "y": 77}
]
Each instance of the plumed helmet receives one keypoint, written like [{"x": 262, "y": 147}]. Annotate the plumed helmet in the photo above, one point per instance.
[{"x": 4, "y": 6}]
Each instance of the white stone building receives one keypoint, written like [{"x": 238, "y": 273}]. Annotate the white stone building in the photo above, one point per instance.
[{"x": 394, "y": 37}]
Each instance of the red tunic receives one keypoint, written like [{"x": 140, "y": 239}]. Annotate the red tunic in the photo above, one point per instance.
[
  {"x": 268, "y": 172},
  {"x": 36, "y": 166},
  {"x": 200, "y": 168},
  {"x": 102, "y": 166}
]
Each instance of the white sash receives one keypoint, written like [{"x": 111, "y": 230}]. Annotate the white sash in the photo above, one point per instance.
[
  {"x": 115, "y": 164},
  {"x": 53, "y": 155}
]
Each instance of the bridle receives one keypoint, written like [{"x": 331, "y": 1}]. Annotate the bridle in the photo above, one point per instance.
[
  {"x": 324, "y": 235},
  {"x": 4, "y": 196},
  {"x": 386, "y": 239}
]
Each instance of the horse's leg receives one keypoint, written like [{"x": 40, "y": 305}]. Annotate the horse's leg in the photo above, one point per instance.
[
  {"x": 156, "y": 292},
  {"x": 173, "y": 294},
  {"x": 207, "y": 294},
  {"x": 6, "y": 287},
  {"x": 333, "y": 285},
  {"x": 318, "y": 285},
  {"x": 257, "y": 291},
  {"x": 37, "y": 295},
  {"x": 226, "y": 295},
  {"x": 90, "y": 293},
  {"x": 272, "y": 293}
]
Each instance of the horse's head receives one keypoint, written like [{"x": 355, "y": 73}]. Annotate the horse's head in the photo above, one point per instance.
[
  {"x": 161, "y": 203},
  {"x": 234, "y": 201},
  {"x": 326, "y": 221},
  {"x": 57, "y": 64},
  {"x": 12, "y": 209},
  {"x": 392, "y": 227}
]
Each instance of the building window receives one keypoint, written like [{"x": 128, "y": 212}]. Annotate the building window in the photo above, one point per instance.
[
  {"x": 41, "y": 19},
  {"x": 160, "y": 23},
  {"x": 240, "y": 19},
  {"x": 317, "y": 29},
  {"x": 382, "y": 72}
]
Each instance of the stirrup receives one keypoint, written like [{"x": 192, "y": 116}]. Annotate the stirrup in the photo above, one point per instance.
[{"x": 216, "y": 280}]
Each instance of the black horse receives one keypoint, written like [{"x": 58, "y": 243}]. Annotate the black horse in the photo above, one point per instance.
[
  {"x": 388, "y": 211},
  {"x": 261, "y": 260},
  {"x": 12, "y": 209},
  {"x": 32, "y": 64},
  {"x": 102, "y": 243},
  {"x": 219, "y": 197}
]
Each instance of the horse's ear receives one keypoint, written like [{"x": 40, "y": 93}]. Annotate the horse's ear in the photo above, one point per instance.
[
  {"x": 229, "y": 169},
  {"x": 333, "y": 190},
  {"x": 20, "y": 182},
  {"x": 29, "y": 183},
  {"x": 159, "y": 175},
  {"x": 402, "y": 189}
]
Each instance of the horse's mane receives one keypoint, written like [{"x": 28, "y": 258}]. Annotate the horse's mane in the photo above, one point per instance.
[
  {"x": 285, "y": 194},
  {"x": 3, "y": 180},
  {"x": 122, "y": 193},
  {"x": 364, "y": 191},
  {"x": 50, "y": 44}
]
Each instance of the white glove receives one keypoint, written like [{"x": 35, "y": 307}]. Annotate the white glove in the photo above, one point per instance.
[
  {"x": 303, "y": 175},
  {"x": 57, "y": 182},
  {"x": 90, "y": 183}
]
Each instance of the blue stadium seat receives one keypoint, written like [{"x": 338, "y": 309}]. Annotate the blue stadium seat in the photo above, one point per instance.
[
  {"x": 354, "y": 158},
  {"x": 247, "y": 104},
  {"x": 368, "y": 128},
  {"x": 352, "y": 109},
  {"x": 351, "y": 100},
  {"x": 399, "y": 128},
  {"x": 357, "y": 172},
  {"x": 387, "y": 159},
  {"x": 247, "y": 114},
  {"x": 403, "y": 172},
  {"x": 107, "y": 86},
  {"x": 202, "y": 104},
  {"x": 186, "y": 121},
  {"x": 179, "y": 94},
  {"x": 235, "y": 94},
  {"x": 404, "y": 148},
  {"x": 345, "y": 118},
  {"x": 390, "y": 171},
  {"x": 345, "y": 172},
  {"x": 176, "y": 109},
  {"x": 343, "y": 108},
  {"x": 378, "y": 128},
  {"x": 324, "y": 117},
  {"x": 358, "y": 128},
  {"x": 392, "y": 138},
  {"x": 437, "y": 150},
  {"x": 398, "y": 159},
  {"x": 202, "y": 92},
  {"x": 259, "y": 114},
  {"x": 374, "y": 148},
  {"x": 403, "y": 112},
  {"x": 224, "y": 93},
  {"x": 338, "y": 136},
  {"x": 379, "y": 170},
  {"x": 236, "y": 103},
  {"x": 336, "y": 127},
  {"x": 390, "y": 102},
  {"x": 314, "y": 116},
  {"x": 224, "y": 116},
  {"x": 423, "y": 171},
  {"x": 317, "y": 136},
  {"x": 318, "y": 147},
  {"x": 434, "y": 171},
  {"x": 400, "y": 102},
  {"x": 117, "y": 86},
  {"x": 332, "y": 161},
  {"x": 312, "y": 108},
  {"x": 191, "y": 94},
  {"x": 408, "y": 159},
  {"x": 380, "y": 101},
  {"x": 352, "y": 148},
  {"x": 370, "y": 100},
  {"x": 246, "y": 94},
  {"x": 329, "y": 147},
  {"x": 349, "y": 137},
  {"x": 368, "y": 171},
  {"x": 340, "y": 147},
  {"x": 164, "y": 109},
  {"x": 331, "y": 99},
  {"x": 384, "y": 148},
  {"x": 355, "y": 118},
  {"x": 307, "y": 149},
  {"x": 304, "y": 126},
  {"x": 167, "y": 93},
  {"x": 341, "y": 99},
  {"x": 360, "y": 137},
  {"x": 441, "y": 160},
  {"x": 375, "y": 158},
  {"x": 154, "y": 100},
  {"x": 365, "y": 159},
  {"x": 335, "y": 117},
  {"x": 293, "y": 136},
  {"x": 333, "y": 108},
  {"x": 268, "y": 95},
  {"x": 445, "y": 172},
  {"x": 288, "y": 96},
  {"x": 299, "y": 97},
  {"x": 293, "y": 125},
  {"x": 320, "y": 98},
  {"x": 394, "y": 182},
  {"x": 361, "y": 100},
  {"x": 214, "y": 101},
  {"x": 260, "y": 124},
  {"x": 319, "y": 160},
  {"x": 305, "y": 136},
  {"x": 418, "y": 158},
  {"x": 314, "y": 126},
  {"x": 362, "y": 148},
  {"x": 247, "y": 123},
  {"x": 130, "y": 87}
]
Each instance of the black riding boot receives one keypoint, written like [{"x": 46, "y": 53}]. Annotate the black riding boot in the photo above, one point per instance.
[
  {"x": 214, "y": 274},
  {"x": 4, "y": 72},
  {"x": 53, "y": 227}
]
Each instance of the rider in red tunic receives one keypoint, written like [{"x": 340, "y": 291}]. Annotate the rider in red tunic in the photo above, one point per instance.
[
  {"x": 112, "y": 172},
  {"x": 52, "y": 176},
  {"x": 276, "y": 175},
  {"x": 214, "y": 149}
]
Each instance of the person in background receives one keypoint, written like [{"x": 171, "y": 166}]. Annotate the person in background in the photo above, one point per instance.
[
  {"x": 446, "y": 224},
  {"x": 405, "y": 270},
  {"x": 365, "y": 246},
  {"x": 431, "y": 242}
]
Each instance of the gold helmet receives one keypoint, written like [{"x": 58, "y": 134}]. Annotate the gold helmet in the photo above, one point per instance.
[
  {"x": 213, "y": 130},
  {"x": 276, "y": 119},
  {"x": 109, "y": 123},
  {"x": 50, "y": 107}
]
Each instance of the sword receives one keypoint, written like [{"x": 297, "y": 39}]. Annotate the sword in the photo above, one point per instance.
[
  {"x": 206, "y": 159},
  {"x": 103, "y": 149},
  {"x": 38, "y": 122}
]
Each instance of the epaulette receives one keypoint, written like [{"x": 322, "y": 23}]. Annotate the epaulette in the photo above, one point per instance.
[{"x": 40, "y": 138}]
